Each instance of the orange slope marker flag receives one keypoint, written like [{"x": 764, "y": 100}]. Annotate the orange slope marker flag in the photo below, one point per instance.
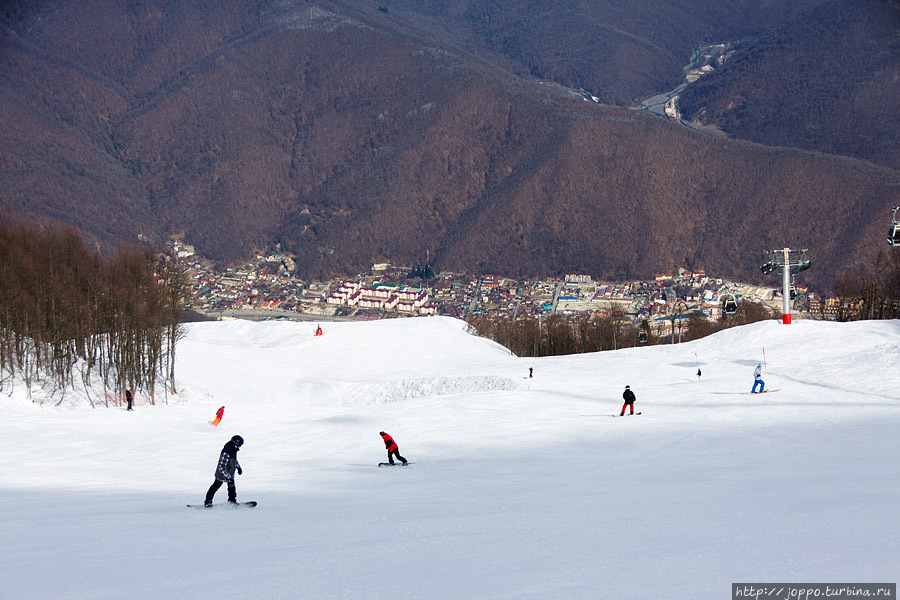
[{"x": 215, "y": 422}]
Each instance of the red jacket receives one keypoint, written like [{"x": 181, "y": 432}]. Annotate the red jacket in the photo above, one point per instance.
[{"x": 389, "y": 442}]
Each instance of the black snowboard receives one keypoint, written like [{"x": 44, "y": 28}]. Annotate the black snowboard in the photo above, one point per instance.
[
  {"x": 394, "y": 464},
  {"x": 225, "y": 505}
]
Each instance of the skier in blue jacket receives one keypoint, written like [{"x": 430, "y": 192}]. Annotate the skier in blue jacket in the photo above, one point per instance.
[{"x": 757, "y": 380}]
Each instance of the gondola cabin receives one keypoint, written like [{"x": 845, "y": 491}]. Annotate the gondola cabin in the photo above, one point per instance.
[
  {"x": 894, "y": 233},
  {"x": 729, "y": 304}
]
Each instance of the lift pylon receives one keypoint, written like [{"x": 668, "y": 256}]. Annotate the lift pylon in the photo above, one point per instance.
[{"x": 792, "y": 262}]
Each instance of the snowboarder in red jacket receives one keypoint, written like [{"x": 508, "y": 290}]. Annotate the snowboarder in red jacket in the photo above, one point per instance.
[{"x": 392, "y": 448}]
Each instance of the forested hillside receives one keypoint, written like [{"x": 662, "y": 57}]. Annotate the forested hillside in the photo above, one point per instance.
[
  {"x": 353, "y": 133},
  {"x": 829, "y": 82}
]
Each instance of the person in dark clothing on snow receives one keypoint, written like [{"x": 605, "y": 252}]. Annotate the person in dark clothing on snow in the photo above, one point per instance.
[
  {"x": 129, "y": 399},
  {"x": 629, "y": 398},
  {"x": 228, "y": 464},
  {"x": 392, "y": 448}
]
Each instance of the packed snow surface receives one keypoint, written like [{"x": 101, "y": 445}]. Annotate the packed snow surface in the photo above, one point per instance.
[{"x": 519, "y": 487}]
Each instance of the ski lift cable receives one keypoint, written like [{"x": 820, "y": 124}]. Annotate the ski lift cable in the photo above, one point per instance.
[{"x": 893, "y": 240}]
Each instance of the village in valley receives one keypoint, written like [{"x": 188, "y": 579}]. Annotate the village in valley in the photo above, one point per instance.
[{"x": 268, "y": 287}]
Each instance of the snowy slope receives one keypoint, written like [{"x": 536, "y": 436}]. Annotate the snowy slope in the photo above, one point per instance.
[{"x": 520, "y": 488}]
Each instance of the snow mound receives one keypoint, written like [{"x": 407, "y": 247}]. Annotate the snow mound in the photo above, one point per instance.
[{"x": 524, "y": 484}]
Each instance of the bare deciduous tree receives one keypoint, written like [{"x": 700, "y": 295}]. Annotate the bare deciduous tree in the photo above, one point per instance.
[{"x": 63, "y": 306}]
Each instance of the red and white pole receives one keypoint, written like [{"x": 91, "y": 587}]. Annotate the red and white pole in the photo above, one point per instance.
[{"x": 786, "y": 303}]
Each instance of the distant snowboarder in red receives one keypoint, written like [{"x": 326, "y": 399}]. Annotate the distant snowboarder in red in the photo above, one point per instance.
[
  {"x": 129, "y": 399},
  {"x": 628, "y": 395},
  {"x": 318, "y": 330},
  {"x": 392, "y": 448}
]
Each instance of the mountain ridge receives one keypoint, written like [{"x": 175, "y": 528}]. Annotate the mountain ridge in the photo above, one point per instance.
[{"x": 356, "y": 143}]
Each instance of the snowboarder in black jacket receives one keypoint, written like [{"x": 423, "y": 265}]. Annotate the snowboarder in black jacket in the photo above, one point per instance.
[
  {"x": 228, "y": 464},
  {"x": 628, "y": 395}
]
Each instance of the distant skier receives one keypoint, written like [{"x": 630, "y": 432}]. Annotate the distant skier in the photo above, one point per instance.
[
  {"x": 129, "y": 399},
  {"x": 698, "y": 373},
  {"x": 757, "y": 380},
  {"x": 530, "y": 371},
  {"x": 392, "y": 448},
  {"x": 629, "y": 398},
  {"x": 228, "y": 464}
]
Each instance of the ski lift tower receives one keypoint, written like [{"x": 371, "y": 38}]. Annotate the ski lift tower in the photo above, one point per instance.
[{"x": 792, "y": 261}]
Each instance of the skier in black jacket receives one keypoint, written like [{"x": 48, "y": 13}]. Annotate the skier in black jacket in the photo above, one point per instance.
[
  {"x": 629, "y": 398},
  {"x": 228, "y": 464}
]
